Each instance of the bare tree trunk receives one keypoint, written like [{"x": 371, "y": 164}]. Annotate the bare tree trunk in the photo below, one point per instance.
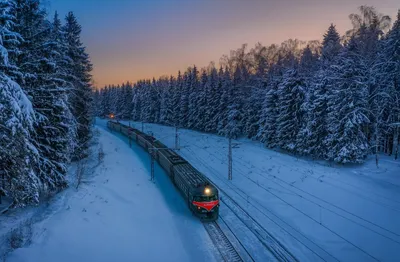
[
  {"x": 386, "y": 145},
  {"x": 376, "y": 144},
  {"x": 395, "y": 149}
]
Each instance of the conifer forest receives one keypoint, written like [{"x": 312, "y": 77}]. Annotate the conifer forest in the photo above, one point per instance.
[
  {"x": 45, "y": 100},
  {"x": 338, "y": 99}
]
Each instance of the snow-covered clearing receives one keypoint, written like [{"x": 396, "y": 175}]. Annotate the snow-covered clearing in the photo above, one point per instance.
[
  {"x": 319, "y": 212},
  {"x": 117, "y": 214}
]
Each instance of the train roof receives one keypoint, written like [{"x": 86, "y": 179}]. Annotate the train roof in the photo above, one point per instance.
[
  {"x": 192, "y": 175},
  {"x": 196, "y": 179}
]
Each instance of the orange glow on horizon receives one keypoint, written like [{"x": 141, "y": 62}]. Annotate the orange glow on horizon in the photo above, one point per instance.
[{"x": 158, "y": 42}]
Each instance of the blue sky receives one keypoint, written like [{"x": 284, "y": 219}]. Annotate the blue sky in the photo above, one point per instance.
[{"x": 131, "y": 39}]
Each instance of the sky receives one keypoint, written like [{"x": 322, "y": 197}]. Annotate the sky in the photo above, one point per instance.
[{"x": 129, "y": 40}]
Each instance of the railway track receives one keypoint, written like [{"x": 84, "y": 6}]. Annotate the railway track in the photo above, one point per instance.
[
  {"x": 267, "y": 240},
  {"x": 221, "y": 241}
]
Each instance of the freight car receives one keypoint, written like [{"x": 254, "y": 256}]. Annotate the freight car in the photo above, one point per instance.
[{"x": 200, "y": 194}]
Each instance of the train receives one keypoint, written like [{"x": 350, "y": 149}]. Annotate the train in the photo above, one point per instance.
[{"x": 199, "y": 193}]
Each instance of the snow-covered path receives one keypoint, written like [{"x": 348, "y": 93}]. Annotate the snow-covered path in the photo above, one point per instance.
[
  {"x": 119, "y": 215},
  {"x": 318, "y": 212}
]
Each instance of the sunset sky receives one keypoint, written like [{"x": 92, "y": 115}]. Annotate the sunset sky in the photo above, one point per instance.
[{"x": 132, "y": 39}]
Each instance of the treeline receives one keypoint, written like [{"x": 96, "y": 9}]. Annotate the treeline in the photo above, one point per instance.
[
  {"x": 45, "y": 100},
  {"x": 337, "y": 100}
]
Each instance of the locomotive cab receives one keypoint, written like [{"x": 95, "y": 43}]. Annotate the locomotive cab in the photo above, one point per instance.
[{"x": 205, "y": 202}]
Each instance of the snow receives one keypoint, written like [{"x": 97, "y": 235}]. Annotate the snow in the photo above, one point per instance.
[
  {"x": 317, "y": 210},
  {"x": 117, "y": 214}
]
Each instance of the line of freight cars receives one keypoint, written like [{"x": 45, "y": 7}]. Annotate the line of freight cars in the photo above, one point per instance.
[{"x": 201, "y": 195}]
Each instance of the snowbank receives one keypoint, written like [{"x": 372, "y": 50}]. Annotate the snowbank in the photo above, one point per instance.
[{"x": 117, "y": 214}]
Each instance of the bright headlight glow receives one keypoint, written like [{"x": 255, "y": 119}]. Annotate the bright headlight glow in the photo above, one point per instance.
[{"x": 207, "y": 191}]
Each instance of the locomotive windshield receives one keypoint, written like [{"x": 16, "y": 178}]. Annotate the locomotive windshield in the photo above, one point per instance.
[{"x": 205, "y": 198}]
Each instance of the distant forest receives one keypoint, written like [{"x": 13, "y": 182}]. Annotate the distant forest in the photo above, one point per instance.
[
  {"x": 45, "y": 101},
  {"x": 338, "y": 99}
]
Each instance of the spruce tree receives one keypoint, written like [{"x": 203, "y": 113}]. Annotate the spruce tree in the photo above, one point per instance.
[
  {"x": 184, "y": 102},
  {"x": 291, "y": 94},
  {"x": 389, "y": 81},
  {"x": 212, "y": 101},
  {"x": 330, "y": 45},
  {"x": 222, "y": 117},
  {"x": 193, "y": 88},
  {"x": 348, "y": 108},
  {"x": 314, "y": 131},
  {"x": 18, "y": 155},
  {"x": 80, "y": 94},
  {"x": 253, "y": 108},
  {"x": 269, "y": 114},
  {"x": 202, "y": 105},
  {"x": 234, "y": 125}
]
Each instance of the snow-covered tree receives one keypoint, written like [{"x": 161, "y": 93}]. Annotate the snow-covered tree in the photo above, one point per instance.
[
  {"x": 269, "y": 114},
  {"x": 330, "y": 45},
  {"x": 166, "y": 108},
  {"x": 80, "y": 94},
  {"x": 202, "y": 105},
  {"x": 176, "y": 98},
  {"x": 17, "y": 118},
  {"x": 234, "y": 125},
  {"x": 314, "y": 130},
  {"x": 184, "y": 102},
  {"x": 212, "y": 101},
  {"x": 291, "y": 94},
  {"x": 193, "y": 86},
  {"x": 254, "y": 101},
  {"x": 225, "y": 84},
  {"x": 17, "y": 154},
  {"x": 388, "y": 77},
  {"x": 348, "y": 107}
]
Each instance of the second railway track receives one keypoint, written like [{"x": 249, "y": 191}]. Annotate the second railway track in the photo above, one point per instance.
[{"x": 269, "y": 242}]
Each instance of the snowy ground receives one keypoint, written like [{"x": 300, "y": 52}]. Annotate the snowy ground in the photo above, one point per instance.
[
  {"x": 318, "y": 211},
  {"x": 117, "y": 214}
]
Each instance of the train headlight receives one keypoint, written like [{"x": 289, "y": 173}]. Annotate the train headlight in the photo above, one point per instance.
[{"x": 207, "y": 191}]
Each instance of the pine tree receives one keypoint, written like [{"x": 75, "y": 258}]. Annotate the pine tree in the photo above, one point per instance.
[
  {"x": 176, "y": 98},
  {"x": 136, "y": 102},
  {"x": 170, "y": 107},
  {"x": 348, "y": 108},
  {"x": 17, "y": 118},
  {"x": 234, "y": 125},
  {"x": 253, "y": 108},
  {"x": 11, "y": 41},
  {"x": 53, "y": 131},
  {"x": 269, "y": 114},
  {"x": 127, "y": 101},
  {"x": 202, "y": 106},
  {"x": 226, "y": 85},
  {"x": 389, "y": 82},
  {"x": 291, "y": 94},
  {"x": 166, "y": 103},
  {"x": 119, "y": 102},
  {"x": 155, "y": 98},
  {"x": 193, "y": 87},
  {"x": 212, "y": 101},
  {"x": 330, "y": 45},
  {"x": 184, "y": 102},
  {"x": 80, "y": 95},
  {"x": 105, "y": 102},
  {"x": 40, "y": 61},
  {"x": 314, "y": 130}
]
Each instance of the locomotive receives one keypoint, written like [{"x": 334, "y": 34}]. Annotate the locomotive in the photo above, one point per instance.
[{"x": 199, "y": 193}]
